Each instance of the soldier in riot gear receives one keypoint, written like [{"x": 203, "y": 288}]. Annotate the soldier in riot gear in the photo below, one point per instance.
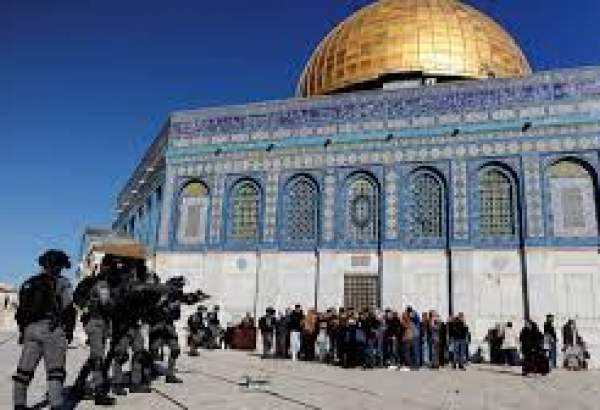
[
  {"x": 93, "y": 297},
  {"x": 162, "y": 326},
  {"x": 46, "y": 319},
  {"x": 214, "y": 327},
  {"x": 197, "y": 329},
  {"x": 266, "y": 325},
  {"x": 131, "y": 290}
]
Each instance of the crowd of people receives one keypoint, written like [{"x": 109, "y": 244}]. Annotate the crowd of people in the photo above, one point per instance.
[
  {"x": 366, "y": 338},
  {"x": 408, "y": 340},
  {"x": 537, "y": 346}
]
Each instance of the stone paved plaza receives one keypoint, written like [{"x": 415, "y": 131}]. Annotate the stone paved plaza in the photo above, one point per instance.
[{"x": 212, "y": 381}]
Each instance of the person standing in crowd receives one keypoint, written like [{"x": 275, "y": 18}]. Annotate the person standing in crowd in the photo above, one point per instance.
[
  {"x": 282, "y": 334},
  {"x": 309, "y": 335},
  {"x": 267, "y": 325},
  {"x": 322, "y": 346},
  {"x": 295, "y": 326},
  {"x": 393, "y": 337},
  {"x": 573, "y": 347},
  {"x": 380, "y": 331},
  {"x": 458, "y": 332},
  {"x": 550, "y": 340},
  {"x": 534, "y": 359},
  {"x": 435, "y": 331},
  {"x": 407, "y": 341},
  {"x": 415, "y": 323},
  {"x": 425, "y": 339},
  {"x": 333, "y": 326},
  {"x": 510, "y": 344},
  {"x": 46, "y": 319}
]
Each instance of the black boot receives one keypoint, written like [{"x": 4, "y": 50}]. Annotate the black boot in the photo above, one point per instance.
[
  {"x": 103, "y": 399},
  {"x": 172, "y": 379},
  {"x": 140, "y": 388},
  {"x": 119, "y": 390}
]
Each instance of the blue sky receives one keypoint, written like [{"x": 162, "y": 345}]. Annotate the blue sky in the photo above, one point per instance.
[{"x": 86, "y": 84}]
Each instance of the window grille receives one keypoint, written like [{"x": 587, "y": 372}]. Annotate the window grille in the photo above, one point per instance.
[
  {"x": 362, "y": 210},
  {"x": 301, "y": 210},
  {"x": 496, "y": 204},
  {"x": 245, "y": 212},
  {"x": 361, "y": 291},
  {"x": 426, "y": 207}
]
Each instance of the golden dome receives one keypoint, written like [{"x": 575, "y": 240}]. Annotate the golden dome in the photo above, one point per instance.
[{"x": 445, "y": 39}]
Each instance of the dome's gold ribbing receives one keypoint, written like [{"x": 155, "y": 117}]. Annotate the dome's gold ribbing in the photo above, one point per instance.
[{"x": 438, "y": 38}]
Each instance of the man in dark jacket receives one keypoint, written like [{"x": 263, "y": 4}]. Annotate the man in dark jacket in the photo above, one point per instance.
[
  {"x": 295, "y": 326},
  {"x": 458, "y": 333}
]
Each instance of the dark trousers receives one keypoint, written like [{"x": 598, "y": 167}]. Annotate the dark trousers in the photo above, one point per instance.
[{"x": 267, "y": 341}]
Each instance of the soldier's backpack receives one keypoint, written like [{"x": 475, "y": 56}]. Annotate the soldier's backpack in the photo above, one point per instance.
[{"x": 38, "y": 299}]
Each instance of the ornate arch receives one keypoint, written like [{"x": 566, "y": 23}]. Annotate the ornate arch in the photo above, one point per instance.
[
  {"x": 193, "y": 209},
  {"x": 572, "y": 192}
]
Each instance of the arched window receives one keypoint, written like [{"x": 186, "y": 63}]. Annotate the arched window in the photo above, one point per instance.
[
  {"x": 300, "y": 210},
  {"x": 245, "y": 209},
  {"x": 426, "y": 210},
  {"x": 193, "y": 214},
  {"x": 362, "y": 209},
  {"x": 496, "y": 204},
  {"x": 573, "y": 204}
]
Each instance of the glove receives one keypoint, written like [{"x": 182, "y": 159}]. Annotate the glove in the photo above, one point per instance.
[
  {"x": 20, "y": 341},
  {"x": 69, "y": 337}
]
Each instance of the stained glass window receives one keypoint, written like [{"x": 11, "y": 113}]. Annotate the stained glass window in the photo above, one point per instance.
[
  {"x": 573, "y": 206},
  {"x": 300, "y": 213},
  {"x": 426, "y": 207},
  {"x": 193, "y": 213},
  {"x": 496, "y": 204},
  {"x": 362, "y": 209},
  {"x": 245, "y": 212}
]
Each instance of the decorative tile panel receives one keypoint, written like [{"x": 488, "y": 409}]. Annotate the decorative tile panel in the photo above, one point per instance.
[
  {"x": 459, "y": 185},
  {"x": 329, "y": 206},
  {"x": 391, "y": 214},
  {"x": 217, "y": 206},
  {"x": 271, "y": 205}
]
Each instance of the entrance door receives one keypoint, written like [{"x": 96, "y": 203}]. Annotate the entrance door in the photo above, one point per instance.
[{"x": 361, "y": 291}]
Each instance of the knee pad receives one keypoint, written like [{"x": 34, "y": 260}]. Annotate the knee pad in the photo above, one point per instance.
[
  {"x": 23, "y": 377},
  {"x": 175, "y": 352},
  {"x": 57, "y": 374}
]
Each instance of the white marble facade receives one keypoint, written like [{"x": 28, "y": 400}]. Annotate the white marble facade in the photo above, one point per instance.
[{"x": 487, "y": 285}]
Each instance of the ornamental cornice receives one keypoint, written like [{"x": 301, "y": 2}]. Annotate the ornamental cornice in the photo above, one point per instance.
[
  {"x": 392, "y": 155},
  {"x": 464, "y": 102}
]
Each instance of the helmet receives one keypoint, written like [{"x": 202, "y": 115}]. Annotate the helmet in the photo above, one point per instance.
[{"x": 54, "y": 258}]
